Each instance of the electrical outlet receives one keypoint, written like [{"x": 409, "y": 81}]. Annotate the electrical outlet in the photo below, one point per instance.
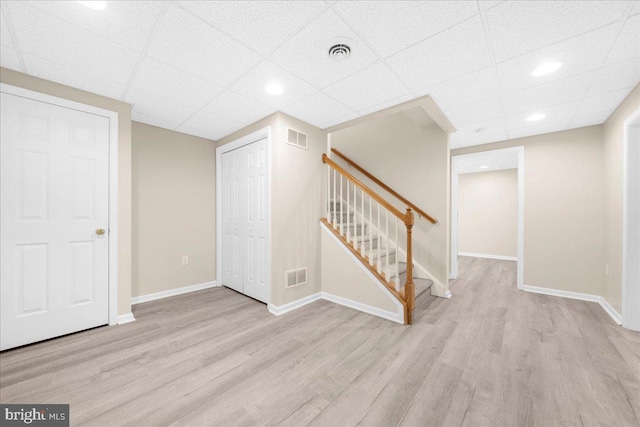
[
  {"x": 185, "y": 260},
  {"x": 606, "y": 269}
]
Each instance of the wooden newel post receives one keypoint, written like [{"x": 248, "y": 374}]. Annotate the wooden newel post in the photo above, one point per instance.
[{"x": 409, "y": 287}]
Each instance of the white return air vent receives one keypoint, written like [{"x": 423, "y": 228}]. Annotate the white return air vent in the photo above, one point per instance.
[
  {"x": 295, "y": 277},
  {"x": 297, "y": 139}
]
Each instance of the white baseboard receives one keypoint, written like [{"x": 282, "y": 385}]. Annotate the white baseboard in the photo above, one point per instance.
[
  {"x": 172, "y": 292},
  {"x": 500, "y": 257},
  {"x": 126, "y": 318},
  {"x": 389, "y": 315},
  {"x": 282, "y": 309},
  {"x": 579, "y": 296}
]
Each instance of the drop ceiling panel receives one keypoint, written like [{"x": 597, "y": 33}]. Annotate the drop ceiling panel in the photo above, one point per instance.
[
  {"x": 390, "y": 27},
  {"x": 627, "y": 46},
  {"x": 386, "y": 104},
  {"x": 153, "y": 121},
  {"x": 604, "y": 102},
  {"x": 578, "y": 55},
  {"x": 154, "y": 76},
  {"x": 552, "y": 93},
  {"x": 473, "y": 87},
  {"x": 367, "y": 88},
  {"x": 319, "y": 110},
  {"x": 261, "y": 25},
  {"x": 474, "y": 113},
  {"x": 253, "y": 85},
  {"x": 206, "y": 125},
  {"x": 156, "y": 106},
  {"x": 480, "y": 132},
  {"x": 50, "y": 38},
  {"x": 616, "y": 77},
  {"x": 68, "y": 76},
  {"x": 452, "y": 53},
  {"x": 5, "y": 37},
  {"x": 128, "y": 23},
  {"x": 306, "y": 54},
  {"x": 554, "y": 113},
  {"x": 516, "y": 25},
  {"x": 548, "y": 127},
  {"x": 9, "y": 58},
  {"x": 590, "y": 119},
  {"x": 238, "y": 108},
  {"x": 187, "y": 43}
]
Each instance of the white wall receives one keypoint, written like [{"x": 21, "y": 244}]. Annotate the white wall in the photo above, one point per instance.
[{"x": 488, "y": 213}]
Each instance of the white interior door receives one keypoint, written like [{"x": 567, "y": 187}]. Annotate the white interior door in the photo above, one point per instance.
[
  {"x": 54, "y": 200},
  {"x": 231, "y": 221},
  {"x": 631, "y": 276},
  {"x": 244, "y": 222},
  {"x": 255, "y": 283}
]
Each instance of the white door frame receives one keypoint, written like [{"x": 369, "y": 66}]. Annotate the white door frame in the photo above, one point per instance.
[
  {"x": 240, "y": 142},
  {"x": 630, "y": 290},
  {"x": 453, "y": 274},
  {"x": 113, "y": 178}
]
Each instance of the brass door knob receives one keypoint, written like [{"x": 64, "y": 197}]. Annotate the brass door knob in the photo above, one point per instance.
[{"x": 100, "y": 231}]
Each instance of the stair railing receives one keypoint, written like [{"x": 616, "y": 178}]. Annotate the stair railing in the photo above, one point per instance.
[
  {"x": 344, "y": 193},
  {"x": 388, "y": 189}
]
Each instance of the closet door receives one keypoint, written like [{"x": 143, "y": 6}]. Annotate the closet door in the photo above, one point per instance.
[
  {"x": 232, "y": 221},
  {"x": 244, "y": 222},
  {"x": 255, "y": 268}
]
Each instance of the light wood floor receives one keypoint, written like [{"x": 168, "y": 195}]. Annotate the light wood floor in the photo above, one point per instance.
[{"x": 491, "y": 355}]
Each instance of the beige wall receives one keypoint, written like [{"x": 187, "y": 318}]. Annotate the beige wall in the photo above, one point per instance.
[
  {"x": 613, "y": 163},
  {"x": 564, "y": 208},
  {"x": 124, "y": 164},
  {"x": 296, "y": 204},
  {"x": 414, "y": 161},
  {"x": 488, "y": 213},
  {"x": 343, "y": 277},
  {"x": 173, "y": 186}
]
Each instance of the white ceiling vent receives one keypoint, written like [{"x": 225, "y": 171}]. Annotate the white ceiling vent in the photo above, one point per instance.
[
  {"x": 339, "y": 52},
  {"x": 297, "y": 139},
  {"x": 295, "y": 277}
]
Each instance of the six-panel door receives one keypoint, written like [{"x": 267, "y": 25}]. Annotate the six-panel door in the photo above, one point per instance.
[{"x": 55, "y": 188}]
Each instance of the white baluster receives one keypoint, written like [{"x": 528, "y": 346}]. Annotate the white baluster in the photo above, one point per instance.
[
  {"x": 379, "y": 263},
  {"x": 397, "y": 279},
  {"x": 348, "y": 232},
  {"x": 341, "y": 209},
  {"x": 335, "y": 209},
  {"x": 370, "y": 231},
  {"x": 328, "y": 194},
  {"x": 363, "y": 231},
  {"x": 386, "y": 259}
]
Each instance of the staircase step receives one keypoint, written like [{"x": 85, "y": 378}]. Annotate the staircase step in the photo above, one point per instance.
[
  {"x": 342, "y": 218},
  {"x": 366, "y": 240},
  {"x": 373, "y": 254}
]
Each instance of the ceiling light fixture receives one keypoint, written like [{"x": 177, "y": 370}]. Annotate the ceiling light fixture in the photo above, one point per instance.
[
  {"x": 95, "y": 5},
  {"x": 546, "y": 68},
  {"x": 484, "y": 167},
  {"x": 535, "y": 117},
  {"x": 274, "y": 89}
]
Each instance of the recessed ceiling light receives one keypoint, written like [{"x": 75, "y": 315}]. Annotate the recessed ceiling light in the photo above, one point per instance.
[
  {"x": 480, "y": 130},
  {"x": 274, "y": 89},
  {"x": 546, "y": 68},
  {"x": 96, "y": 5},
  {"x": 536, "y": 117},
  {"x": 484, "y": 167}
]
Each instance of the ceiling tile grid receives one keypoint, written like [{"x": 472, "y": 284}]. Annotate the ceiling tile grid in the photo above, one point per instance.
[{"x": 202, "y": 67}]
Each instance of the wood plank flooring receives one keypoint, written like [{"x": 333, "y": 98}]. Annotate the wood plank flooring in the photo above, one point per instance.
[{"x": 491, "y": 355}]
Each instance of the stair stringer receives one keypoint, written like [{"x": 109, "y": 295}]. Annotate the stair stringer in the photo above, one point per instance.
[
  {"x": 438, "y": 288},
  {"x": 365, "y": 292}
]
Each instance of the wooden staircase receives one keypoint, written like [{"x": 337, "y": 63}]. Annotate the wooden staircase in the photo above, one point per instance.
[{"x": 369, "y": 225}]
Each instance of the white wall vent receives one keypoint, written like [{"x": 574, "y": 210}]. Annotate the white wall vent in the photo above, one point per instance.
[
  {"x": 295, "y": 277},
  {"x": 297, "y": 139}
]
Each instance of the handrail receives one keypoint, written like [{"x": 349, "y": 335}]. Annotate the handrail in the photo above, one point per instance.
[
  {"x": 370, "y": 192},
  {"x": 386, "y": 187}
]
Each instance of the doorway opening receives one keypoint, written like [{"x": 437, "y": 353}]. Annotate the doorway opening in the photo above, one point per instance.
[{"x": 495, "y": 161}]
